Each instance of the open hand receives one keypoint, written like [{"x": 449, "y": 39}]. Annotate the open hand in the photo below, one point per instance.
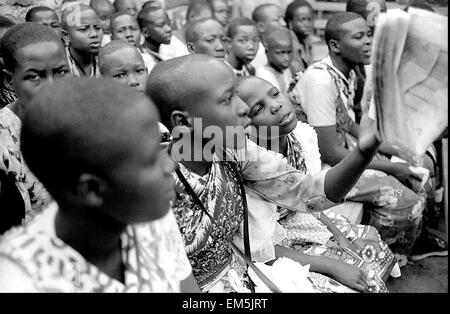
[{"x": 368, "y": 139}]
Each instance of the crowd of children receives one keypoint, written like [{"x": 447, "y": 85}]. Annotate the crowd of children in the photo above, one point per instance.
[{"x": 234, "y": 145}]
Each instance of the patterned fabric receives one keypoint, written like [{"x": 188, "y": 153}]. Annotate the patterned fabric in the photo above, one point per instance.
[
  {"x": 306, "y": 233},
  {"x": 345, "y": 117},
  {"x": 152, "y": 253},
  {"x": 78, "y": 71},
  {"x": 215, "y": 265},
  {"x": 206, "y": 241},
  {"x": 6, "y": 96},
  {"x": 11, "y": 161},
  {"x": 395, "y": 210}
]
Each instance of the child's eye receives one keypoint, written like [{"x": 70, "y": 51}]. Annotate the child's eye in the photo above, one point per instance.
[
  {"x": 119, "y": 75},
  {"x": 82, "y": 29},
  {"x": 32, "y": 77},
  {"x": 259, "y": 108},
  {"x": 61, "y": 72},
  {"x": 276, "y": 92},
  {"x": 140, "y": 71}
]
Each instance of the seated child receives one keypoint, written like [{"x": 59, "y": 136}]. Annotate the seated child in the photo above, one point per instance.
[
  {"x": 325, "y": 93},
  {"x": 206, "y": 36},
  {"x": 110, "y": 229},
  {"x": 297, "y": 143},
  {"x": 155, "y": 27},
  {"x": 266, "y": 15},
  {"x": 123, "y": 62},
  {"x": 83, "y": 38},
  {"x": 45, "y": 16},
  {"x": 7, "y": 96},
  {"x": 126, "y": 6},
  {"x": 278, "y": 71},
  {"x": 34, "y": 56},
  {"x": 196, "y": 10},
  {"x": 104, "y": 10},
  {"x": 159, "y": 42},
  {"x": 217, "y": 176},
  {"x": 244, "y": 42},
  {"x": 125, "y": 27}
]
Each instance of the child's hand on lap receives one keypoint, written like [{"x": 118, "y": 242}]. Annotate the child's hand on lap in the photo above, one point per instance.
[{"x": 350, "y": 276}]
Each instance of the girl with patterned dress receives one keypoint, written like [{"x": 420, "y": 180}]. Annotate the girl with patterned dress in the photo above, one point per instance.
[{"x": 325, "y": 234}]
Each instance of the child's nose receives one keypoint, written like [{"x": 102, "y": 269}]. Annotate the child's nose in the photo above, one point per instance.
[
  {"x": 241, "y": 106},
  {"x": 276, "y": 107},
  {"x": 132, "y": 80}
]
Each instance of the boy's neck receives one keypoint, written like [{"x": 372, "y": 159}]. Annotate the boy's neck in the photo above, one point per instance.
[
  {"x": 234, "y": 62},
  {"x": 95, "y": 236},
  {"x": 341, "y": 65},
  {"x": 152, "y": 45},
  {"x": 196, "y": 163},
  {"x": 273, "y": 66},
  {"x": 85, "y": 60}
]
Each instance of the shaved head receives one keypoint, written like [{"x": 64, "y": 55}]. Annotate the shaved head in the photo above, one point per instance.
[
  {"x": 194, "y": 28},
  {"x": 110, "y": 48},
  {"x": 260, "y": 13},
  {"x": 82, "y": 125},
  {"x": 274, "y": 35},
  {"x": 69, "y": 14},
  {"x": 172, "y": 86}
]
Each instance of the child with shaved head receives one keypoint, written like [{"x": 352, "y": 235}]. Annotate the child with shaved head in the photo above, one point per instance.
[
  {"x": 243, "y": 46},
  {"x": 206, "y": 36},
  {"x": 45, "y": 16},
  {"x": 34, "y": 56},
  {"x": 127, "y": 6},
  {"x": 82, "y": 33},
  {"x": 265, "y": 16},
  {"x": 104, "y": 10},
  {"x": 278, "y": 71},
  {"x": 125, "y": 27},
  {"x": 110, "y": 229},
  {"x": 210, "y": 205},
  {"x": 124, "y": 63}
]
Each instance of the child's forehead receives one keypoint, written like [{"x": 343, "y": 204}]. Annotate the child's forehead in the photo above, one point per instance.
[
  {"x": 124, "y": 20},
  {"x": 279, "y": 41},
  {"x": 246, "y": 30},
  {"x": 46, "y": 14},
  {"x": 303, "y": 10},
  {"x": 210, "y": 27},
  {"x": 125, "y": 54},
  {"x": 38, "y": 51}
]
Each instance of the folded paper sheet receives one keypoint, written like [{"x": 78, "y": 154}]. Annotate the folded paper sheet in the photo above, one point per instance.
[{"x": 410, "y": 78}]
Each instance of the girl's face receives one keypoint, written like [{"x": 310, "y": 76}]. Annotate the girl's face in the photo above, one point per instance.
[{"x": 267, "y": 106}]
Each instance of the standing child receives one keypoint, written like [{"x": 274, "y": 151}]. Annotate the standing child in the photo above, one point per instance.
[
  {"x": 199, "y": 86},
  {"x": 82, "y": 33},
  {"x": 34, "y": 56},
  {"x": 45, "y": 16},
  {"x": 110, "y": 229},
  {"x": 278, "y": 71},
  {"x": 243, "y": 46},
  {"x": 104, "y": 10},
  {"x": 297, "y": 142}
]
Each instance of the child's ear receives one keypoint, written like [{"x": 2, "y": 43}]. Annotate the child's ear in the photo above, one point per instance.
[
  {"x": 191, "y": 47},
  {"x": 65, "y": 37},
  {"x": 91, "y": 190},
  {"x": 260, "y": 27},
  {"x": 334, "y": 46},
  {"x": 7, "y": 78},
  {"x": 144, "y": 32},
  {"x": 180, "y": 118}
]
